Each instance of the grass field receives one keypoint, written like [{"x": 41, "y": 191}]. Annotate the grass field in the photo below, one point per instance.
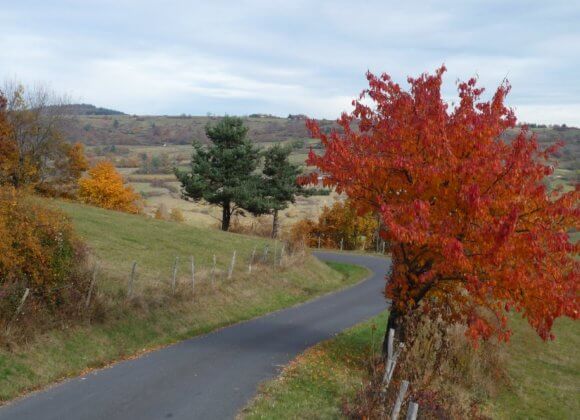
[
  {"x": 544, "y": 378},
  {"x": 155, "y": 317}
]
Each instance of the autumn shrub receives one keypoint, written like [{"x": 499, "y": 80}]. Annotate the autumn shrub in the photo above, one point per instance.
[
  {"x": 176, "y": 215},
  {"x": 337, "y": 224},
  {"x": 301, "y": 234},
  {"x": 105, "y": 187},
  {"x": 40, "y": 252}
]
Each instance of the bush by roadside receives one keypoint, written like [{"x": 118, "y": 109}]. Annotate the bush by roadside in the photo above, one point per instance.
[{"x": 39, "y": 252}]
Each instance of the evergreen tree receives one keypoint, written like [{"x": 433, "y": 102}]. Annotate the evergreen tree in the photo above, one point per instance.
[
  {"x": 279, "y": 187},
  {"x": 223, "y": 173}
]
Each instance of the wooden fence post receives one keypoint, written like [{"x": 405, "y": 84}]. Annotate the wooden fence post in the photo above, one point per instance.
[
  {"x": 399, "y": 401},
  {"x": 21, "y": 304},
  {"x": 412, "y": 411},
  {"x": 383, "y": 247},
  {"x": 252, "y": 259},
  {"x": 18, "y": 309},
  {"x": 131, "y": 279},
  {"x": 266, "y": 249},
  {"x": 233, "y": 263},
  {"x": 391, "y": 358},
  {"x": 282, "y": 253},
  {"x": 341, "y": 243},
  {"x": 192, "y": 275},
  {"x": 92, "y": 285},
  {"x": 174, "y": 279},
  {"x": 318, "y": 241}
]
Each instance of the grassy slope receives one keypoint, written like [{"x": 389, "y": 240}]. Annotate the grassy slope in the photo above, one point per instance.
[
  {"x": 545, "y": 377},
  {"x": 154, "y": 318}
]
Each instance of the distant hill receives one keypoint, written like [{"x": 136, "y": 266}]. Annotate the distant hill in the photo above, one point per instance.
[
  {"x": 158, "y": 130},
  {"x": 87, "y": 109},
  {"x": 96, "y": 129}
]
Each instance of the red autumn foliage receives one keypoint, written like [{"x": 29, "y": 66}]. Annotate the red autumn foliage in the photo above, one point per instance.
[{"x": 471, "y": 223}]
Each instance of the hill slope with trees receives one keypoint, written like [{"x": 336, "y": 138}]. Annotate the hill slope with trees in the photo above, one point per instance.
[{"x": 121, "y": 129}]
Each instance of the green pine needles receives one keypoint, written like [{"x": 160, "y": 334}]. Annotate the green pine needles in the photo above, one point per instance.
[{"x": 225, "y": 174}]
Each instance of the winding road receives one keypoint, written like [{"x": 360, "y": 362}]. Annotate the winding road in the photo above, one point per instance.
[{"x": 211, "y": 376}]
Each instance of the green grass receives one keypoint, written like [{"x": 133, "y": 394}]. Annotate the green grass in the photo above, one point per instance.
[
  {"x": 316, "y": 383},
  {"x": 544, "y": 377},
  {"x": 118, "y": 239},
  {"x": 154, "y": 317}
]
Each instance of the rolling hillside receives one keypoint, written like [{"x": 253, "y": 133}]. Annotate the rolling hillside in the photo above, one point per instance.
[{"x": 115, "y": 128}]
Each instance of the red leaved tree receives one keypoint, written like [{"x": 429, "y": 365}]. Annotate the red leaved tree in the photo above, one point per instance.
[{"x": 471, "y": 223}]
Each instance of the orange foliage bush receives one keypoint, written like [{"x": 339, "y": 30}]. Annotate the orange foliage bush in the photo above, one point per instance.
[
  {"x": 337, "y": 223},
  {"x": 105, "y": 187},
  {"x": 38, "y": 251}
]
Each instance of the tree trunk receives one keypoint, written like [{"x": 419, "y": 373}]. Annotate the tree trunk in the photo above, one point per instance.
[
  {"x": 394, "y": 322},
  {"x": 226, "y": 216},
  {"x": 275, "y": 225}
]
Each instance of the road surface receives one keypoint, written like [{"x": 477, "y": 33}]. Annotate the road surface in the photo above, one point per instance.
[{"x": 212, "y": 376}]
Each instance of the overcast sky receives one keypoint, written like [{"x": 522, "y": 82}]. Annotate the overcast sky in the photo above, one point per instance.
[{"x": 280, "y": 57}]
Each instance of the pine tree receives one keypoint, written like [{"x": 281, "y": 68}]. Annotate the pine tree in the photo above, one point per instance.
[
  {"x": 279, "y": 188},
  {"x": 223, "y": 173}
]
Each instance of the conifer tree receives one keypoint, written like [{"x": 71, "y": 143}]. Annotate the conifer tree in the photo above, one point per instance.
[
  {"x": 279, "y": 188},
  {"x": 222, "y": 173}
]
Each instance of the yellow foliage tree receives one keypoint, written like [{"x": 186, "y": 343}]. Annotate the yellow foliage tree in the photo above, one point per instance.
[
  {"x": 336, "y": 224},
  {"x": 77, "y": 161},
  {"x": 104, "y": 187}
]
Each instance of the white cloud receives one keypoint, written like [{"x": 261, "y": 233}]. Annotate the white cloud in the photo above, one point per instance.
[
  {"x": 300, "y": 56},
  {"x": 549, "y": 114}
]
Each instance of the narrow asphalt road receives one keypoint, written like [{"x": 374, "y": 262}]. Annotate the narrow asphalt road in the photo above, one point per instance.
[{"x": 211, "y": 376}]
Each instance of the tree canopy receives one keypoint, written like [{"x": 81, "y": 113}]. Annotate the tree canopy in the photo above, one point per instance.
[
  {"x": 35, "y": 153},
  {"x": 472, "y": 226},
  {"x": 104, "y": 187},
  {"x": 279, "y": 187}
]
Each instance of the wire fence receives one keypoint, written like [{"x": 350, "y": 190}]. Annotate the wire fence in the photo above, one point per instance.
[{"x": 184, "y": 277}]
